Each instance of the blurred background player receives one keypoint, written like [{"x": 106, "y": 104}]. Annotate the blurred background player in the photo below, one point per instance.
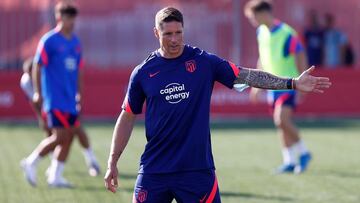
[
  {"x": 57, "y": 83},
  {"x": 280, "y": 53},
  {"x": 26, "y": 85}
]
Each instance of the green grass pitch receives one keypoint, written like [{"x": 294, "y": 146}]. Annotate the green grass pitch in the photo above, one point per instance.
[{"x": 245, "y": 155}]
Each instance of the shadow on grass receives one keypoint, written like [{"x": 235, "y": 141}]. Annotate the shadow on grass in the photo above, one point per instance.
[
  {"x": 90, "y": 188},
  {"x": 101, "y": 187},
  {"x": 339, "y": 174},
  {"x": 223, "y": 194},
  {"x": 224, "y": 123},
  {"x": 255, "y": 124},
  {"x": 256, "y": 196},
  {"x": 127, "y": 176},
  {"x": 240, "y": 195},
  {"x": 100, "y": 184},
  {"x": 97, "y": 188}
]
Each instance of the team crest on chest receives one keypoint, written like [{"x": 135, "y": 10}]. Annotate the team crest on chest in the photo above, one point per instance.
[{"x": 190, "y": 66}]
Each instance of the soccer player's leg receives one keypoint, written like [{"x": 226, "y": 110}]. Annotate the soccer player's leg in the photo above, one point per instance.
[
  {"x": 282, "y": 116},
  {"x": 47, "y": 145},
  {"x": 43, "y": 122},
  {"x": 61, "y": 124},
  {"x": 198, "y": 186},
  {"x": 90, "y": 159},
  {"x": 29, "y": 164},
  {"x": 55, "y": 178},
  {"x": 292, "y": 143},
  {"x": 152, "y": 188}
]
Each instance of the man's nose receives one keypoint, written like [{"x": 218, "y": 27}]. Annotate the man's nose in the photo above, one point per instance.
[{"x": 173, "y": 38}]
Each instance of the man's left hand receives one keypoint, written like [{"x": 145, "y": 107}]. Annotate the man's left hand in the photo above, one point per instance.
[{"x": 308, "y": 83}]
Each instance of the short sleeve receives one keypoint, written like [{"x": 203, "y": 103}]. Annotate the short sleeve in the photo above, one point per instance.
[
  {"x": 42, "y": 53},
  {"x": 292, "y": 45},
  {"x": 135, "y": 95},
  {"x": 81, "y": 63},
  {"x": 80, "y": 56},
  {"x": 225, "y": 72}
]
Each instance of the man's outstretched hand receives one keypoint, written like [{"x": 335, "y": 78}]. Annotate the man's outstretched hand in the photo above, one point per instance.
[{"x": 308, "y": 83}]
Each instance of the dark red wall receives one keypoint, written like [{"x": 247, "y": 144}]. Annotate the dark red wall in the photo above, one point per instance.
[{"x": 104, "y": 92}]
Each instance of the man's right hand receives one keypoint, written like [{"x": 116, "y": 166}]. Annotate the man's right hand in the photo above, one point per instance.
[
  {"x": 37, "y": 99},
  {"x": 111, "y": 176}
]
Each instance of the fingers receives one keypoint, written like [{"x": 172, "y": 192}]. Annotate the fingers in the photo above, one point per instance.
[
  {"x": 111, "y": 182},
  {"x": 115, "y": 182},
  {"x": 107, "y": 183},
  {"x": 323, "y": 82},
  {"x": 309, "y": 70},
  {"x": 322, "y": 79},
  {"x": 318, "y": 91},
  {"x": 322, "y": 86},
  {"x": 319, "y": 88},
  {"x": 109, "y": 186}
]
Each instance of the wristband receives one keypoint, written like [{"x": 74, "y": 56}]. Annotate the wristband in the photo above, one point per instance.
[
  {"x": 293, "y": 84},
  {"x": 289, "y": 84}
]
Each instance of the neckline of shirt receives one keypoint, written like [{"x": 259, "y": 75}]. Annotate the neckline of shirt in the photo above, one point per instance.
[{"x": 183, "y": 54}]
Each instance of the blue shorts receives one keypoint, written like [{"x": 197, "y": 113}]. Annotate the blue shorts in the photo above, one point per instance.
[
  {"x": 58, "y": 119},
  {"x": 184, "y": 187},
  {"x": 280, "y": 98}
]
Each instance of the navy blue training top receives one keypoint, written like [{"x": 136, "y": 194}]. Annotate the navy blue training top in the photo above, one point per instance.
[{"x": 177, "y": 94}]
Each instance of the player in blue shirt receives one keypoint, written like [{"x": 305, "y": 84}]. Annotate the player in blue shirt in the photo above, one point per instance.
[
  {"x": 26, "y": 84},
  {"x": 57, "y": 86},
  {"x": 176, "y": 82}
]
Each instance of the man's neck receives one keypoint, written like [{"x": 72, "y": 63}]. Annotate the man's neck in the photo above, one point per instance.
[
  {"x": 166, "y": 55},
  {"x": 66, "y": 33},
  {"x": 270, "y": 22}
]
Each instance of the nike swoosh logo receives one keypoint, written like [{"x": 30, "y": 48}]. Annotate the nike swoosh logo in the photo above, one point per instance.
[
  {"x": 203, "y": 199},
  {"x": 153, "y": 74}
]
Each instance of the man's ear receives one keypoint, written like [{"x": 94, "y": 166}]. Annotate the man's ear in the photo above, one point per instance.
[{"x": 156, "y": 32}]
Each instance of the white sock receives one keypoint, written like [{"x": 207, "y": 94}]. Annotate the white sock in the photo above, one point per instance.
[
  {"x": 89, "y": 156},
  {"x": 56, "y": 170},
  {"x": 33, "y": 159},
  {"x": 289, "y": 154},
  {"x": 301, "y": 148}
]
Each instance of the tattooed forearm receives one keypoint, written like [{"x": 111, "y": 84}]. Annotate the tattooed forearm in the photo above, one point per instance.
[{"x": 260, "y": 79}]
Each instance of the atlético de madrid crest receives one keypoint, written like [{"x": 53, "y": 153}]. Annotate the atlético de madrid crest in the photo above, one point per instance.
[
  {"x": 190, "y": 66},
  {"x": 141, "y": 195}
]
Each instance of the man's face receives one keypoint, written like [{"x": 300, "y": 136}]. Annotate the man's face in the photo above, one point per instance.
[
  {"x": 171, "y": 38},
  {"x": 256, "y": 19},
  {"x": 68, "y": 22}
]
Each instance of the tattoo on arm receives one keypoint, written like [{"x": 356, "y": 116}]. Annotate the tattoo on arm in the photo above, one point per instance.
[{"x": 260, "y": 79}]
